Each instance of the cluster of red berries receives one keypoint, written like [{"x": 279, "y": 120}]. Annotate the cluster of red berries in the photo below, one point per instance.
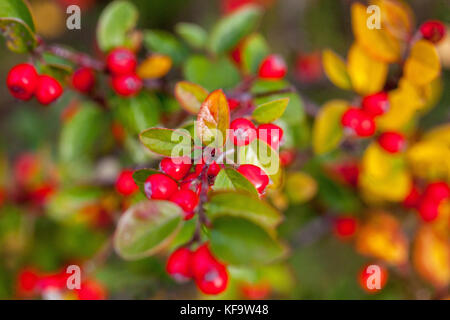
[
  {"x": 429, "y": 202},
  {"x": 121, "y": 64},
  {"x": 31, "y": 282},
  {"x": 433, "y": 30},
  {"x": 243, "y": 132},
  {"x": 24, "y": 82},
  {"x": 210, "y": 275},
  {"x": 360, "y": 121}
]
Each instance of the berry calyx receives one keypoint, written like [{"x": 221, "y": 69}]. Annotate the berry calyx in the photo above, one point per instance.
[
  {"x": 159, "y": 186},
  {"x": 345, "y": 227},
  {"x": 177, "y": 168},
  {"x": 375, "y": 104},
  {"x": 121, "y": 61},
  {"x": 255, "y": 175},
  {"x": 273, "y": 67},
  {"x": 243, "y": 132},
  {"x": 187, "y": 200},
  {"x": 125, "y": 184},
  {"x": 271, "y": 134},
  {"x": 83, "y": 80},
  {"x": 48, "y": 90},
  {"x": 433, "y": 30},
  {"x": 126, "y": 85},
  {"x": 179, "y": 264},
  {"x": 22, "y": 81},
  {"x": 392, "y": 142}
]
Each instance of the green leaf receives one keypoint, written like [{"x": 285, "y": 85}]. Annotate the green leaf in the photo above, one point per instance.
[
  {"x": 163, "y": 42},
  {"x": 146, "y": 228},
  {"x": 66, "y": 203},
  {"x": 241, "y": 242},
  {"x": 55, "y": 66},
  {"x": 213, "y": 119},
  {"x": 211, "y": 74},
  {"x": 115, "y": 22},
  {"x": 141, "y": 175},
  {"x": 262, "y": 155},
  {"x": 137, "y": 113},
  {"x": 243, "y": 205},
  {"x": 167, "y": 142},
  {"x": 230, "y": 179},
  {"x": 270, "y": 111},
  {"x": 16, "y": 25},
  {"x": 254, "y": 50},
  {"x": 227, "y": 33},
  {"x": 192, "y": 33},
  {"x": 79, "y": 136},
  {"x": 190, "y": 96}
]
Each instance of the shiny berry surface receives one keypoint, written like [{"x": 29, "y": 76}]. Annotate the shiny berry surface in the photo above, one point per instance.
[
  {"x": 255, "y": 175},
  {"x": 126, "y": 85},
  {"x": 83, "y": 80},
  {"x": 121, "y": 61},
  {"x": 125, "y": 184},
  {"x": 243, "y": 131},
  {"x": 159, "y": 186},
  {"x": 392, "y": 142},
  {"x": 433, "y": 30},
  {"x": 271, "y": 134},
  {"x": 375, "y": 104},
  {"x": 177, "y": 168},
  {"x": 22, "y": 81},
  {"x": 179, "y": 264},
  {"x": 273, "y": 67},
  {"x": 48, "y": 90},
  {"x": 187, "y": 200}
]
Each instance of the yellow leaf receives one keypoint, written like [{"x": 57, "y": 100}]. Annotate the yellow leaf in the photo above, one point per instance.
[
  {"x": 381, "y": 237},
  {"x": 377, "y": 42},
  {"x": 404, "y": 102},
  {"x": 439, "y": 134},
  {"x": 155, "y": 66},
  {"x": 327, "y": 130},
  {"x": 300, "y": 187},
  {"x": 431, "y": 257},
  {"x": 384, "y": 175},
  {"x": 335, "y": 69},
  {"x": 396, "y": 17},
  {"x": 422, "y": 65},
  {"x": 430, "y": 159},
  {"x": 367, "y": 74}
]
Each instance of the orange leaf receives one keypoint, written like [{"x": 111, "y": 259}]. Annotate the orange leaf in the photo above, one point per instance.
[{"x": 155, "y": 66}]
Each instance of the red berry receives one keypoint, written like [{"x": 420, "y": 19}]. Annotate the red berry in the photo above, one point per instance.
[
  {"x": 214, "y": 280},
  {"x": 83, "y": 79},
  {"x": 368, "y": 281},
  {"x": 40, "y": 194},
  {"x": 179, "y": 264},
  {"x": 210, "y": 275},
  {"x": 214, "y": 169},
  {"x": 121, "y": 61},
  {"x": 352, "y": 117},
  {"x": 437, "y": 191},
  {"x": 271, "y": 134},
  {"x": 91, "y": 290},
  {"x": 22, "y": 81},
  {"x": 255, "y": 291},
  {"x": 287, "y": 157},
  {"x": 376, "y": 104},
  {"x": 233, "y": 103},
  {"x": 187, "y": 200},
  {"x": 242, "y": 131},
  {"x": 392, "y": 142},
  {"x": 413, "y": 198},
  {"x": 429, "y": 209},
  {"x": 159, "y": 186},
  {"x": 349, "y": 172},
  {"x": 125, "y": 183},
  {"x": 433, "y": 30},
  {"x": 27, "y": 281},
  {"x": 177, "y": 168},
  {"x": 255, "y": 175},
  {"x": 366, "y": 127},
  {"x": 273, "y": 67},
  {"x": 126, "y": 85},
  {"x": 191, "y": 183},
  {"x": 48, "y": 90},
  {"x": 345, "y": 226}
]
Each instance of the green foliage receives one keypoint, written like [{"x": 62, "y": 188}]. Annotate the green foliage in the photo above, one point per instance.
[
  {"x": 193, "y": 34},
  {"x": 164, "y": 141},
  {"x": 163, "y": 42},
  {"x": 270, "y": 111},
  {"x": 230, "y": 179}
]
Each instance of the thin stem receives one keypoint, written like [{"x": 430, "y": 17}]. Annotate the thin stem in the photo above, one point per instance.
[{"x": 78, "y": 58}]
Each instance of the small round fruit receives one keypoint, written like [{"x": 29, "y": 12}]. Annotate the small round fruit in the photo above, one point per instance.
[
  {"x": 433, "y": 30},
  {"x": 255, "y": 175},
  {"x": 22, "y": 81},
  {"x": 214, "y": 169},
  {"x": 187, "y": 200},
  {"x": 351, "y": 118},
  {"x": 214, "y": 280},
  {"x": 375, "y": 104},
  {"x": 179, "y": 264},
  {"x": 126, "y": 85},
  {"x": 202, "y": 258},
  {"x": 125, "y": 184},
  {"x": 366, "y": 127},
  {"x": 392, "y": 142},
  {"x": 345, "y": 227},
  {"x": 91, "y": 290},
  {"x": 159, "y": 186},
  {"x": 121, "y": 61},
  {"x": 177, "y": 168},
  {"x": 437, "y": 191},
  {"x": 83, "y": 80},
  {"x": 243, "y": 131},
  {"x": 429, "y": 209},
  {"x": 191, "y": 182},
  {"x": 233, "y": 103},
  {"x": 48, "y": 90},
  {"x": 273, "y": 67},
  {"x": 271, "y": 134}
]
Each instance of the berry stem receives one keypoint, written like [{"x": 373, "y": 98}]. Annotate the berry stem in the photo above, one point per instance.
[{"x": 78, "y": 58}]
